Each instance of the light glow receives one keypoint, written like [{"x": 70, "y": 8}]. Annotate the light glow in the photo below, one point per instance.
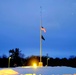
[{"x": 34, "y": 65}]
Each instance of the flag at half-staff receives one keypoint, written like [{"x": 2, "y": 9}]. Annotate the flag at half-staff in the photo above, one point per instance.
[
  {"x": 44, "y": 30},
  {"x": 41, "y": 38}
]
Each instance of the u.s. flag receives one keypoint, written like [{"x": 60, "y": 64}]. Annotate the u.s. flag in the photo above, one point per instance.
[{"x": 43, "y": 29}]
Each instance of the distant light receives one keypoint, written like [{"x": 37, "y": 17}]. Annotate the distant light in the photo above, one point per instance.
[
  {"x": 34, "y": 65},
  {"x": 9, "y": 57}
]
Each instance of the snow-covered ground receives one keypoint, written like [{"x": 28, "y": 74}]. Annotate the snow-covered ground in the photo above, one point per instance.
[{"x": 38, "y": 71}]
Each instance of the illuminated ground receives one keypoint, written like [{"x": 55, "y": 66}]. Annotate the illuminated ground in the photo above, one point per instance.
[{"x": 38, "y": 71}]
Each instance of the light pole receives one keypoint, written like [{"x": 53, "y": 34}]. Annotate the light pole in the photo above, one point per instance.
[
  {"x": 47, "y": 61},
  {"x": 9, "y": 61}
]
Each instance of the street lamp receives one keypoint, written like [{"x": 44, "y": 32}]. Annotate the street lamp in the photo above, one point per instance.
[
  {"x": 9, "y": 61},
  {"x": 47, "y": 61}
]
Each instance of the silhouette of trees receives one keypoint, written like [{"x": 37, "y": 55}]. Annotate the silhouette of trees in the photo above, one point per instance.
[
  {"x": 64, "y": 62},
  {"x": 3, "y": 61},
  {"x": 17, "y": 59},
  {"x": 72, "y": 61}
]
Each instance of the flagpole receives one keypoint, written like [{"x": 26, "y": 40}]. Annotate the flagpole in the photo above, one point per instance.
[{"x": 40, "y": 37}]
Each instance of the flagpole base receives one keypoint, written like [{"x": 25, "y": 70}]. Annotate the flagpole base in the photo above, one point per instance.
[{"x": 40, "y": 64}]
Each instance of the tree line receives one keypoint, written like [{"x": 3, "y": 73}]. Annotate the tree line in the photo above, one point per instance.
[{"x": 18, "y": 59}]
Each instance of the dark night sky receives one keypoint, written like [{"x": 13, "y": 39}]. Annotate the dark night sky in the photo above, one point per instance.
[{"x": 20, "y": 27}]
